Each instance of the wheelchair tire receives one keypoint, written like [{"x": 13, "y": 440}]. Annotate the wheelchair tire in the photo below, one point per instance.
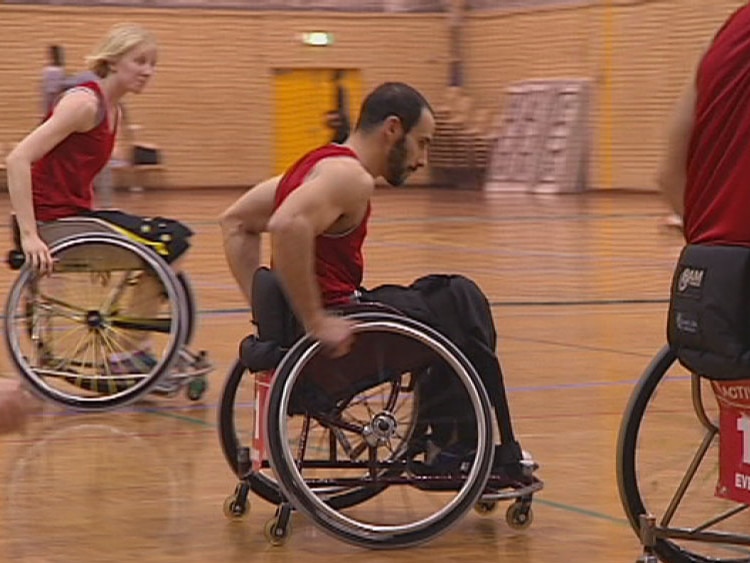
[
  {"x": 175, "y": 330},
  {"x": 627, "y": 473},
  {"x": 345, "y": 527},
  {"x": 188, "y": 295},
  {"x": 261, "y": 484}
]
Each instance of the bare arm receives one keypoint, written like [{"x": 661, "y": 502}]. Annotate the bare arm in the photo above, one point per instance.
[
  {"x": 76, "y": 112},
  {"x": 241, "y": 226},
  {"x": 672, "y": 174},
  {"x": 332, "y": 200},
  {"x": 673, "y": 169}
]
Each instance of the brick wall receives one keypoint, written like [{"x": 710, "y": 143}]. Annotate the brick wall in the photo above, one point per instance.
[
  {"x": 210, "y": 104},
  {"x": 639, "y": 53}
]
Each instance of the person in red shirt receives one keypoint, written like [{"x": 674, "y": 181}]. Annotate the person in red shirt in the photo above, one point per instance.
[
  {"x": 317, "y": 213},
  {"x": 705, "y": 172},
  {"x": 51, "y": 171}
]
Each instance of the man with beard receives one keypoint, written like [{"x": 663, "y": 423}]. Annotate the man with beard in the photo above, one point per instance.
[{"x": 316, "y": 214}]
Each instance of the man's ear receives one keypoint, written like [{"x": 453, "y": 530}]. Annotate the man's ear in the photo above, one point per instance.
[{"x": 393, "y": 126}]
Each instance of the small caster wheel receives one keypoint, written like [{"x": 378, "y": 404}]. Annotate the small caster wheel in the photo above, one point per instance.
[
  {"x": 233, "y": 509},
  {"x": 276, "y": 535},
  {"x": 196, "y": 388},
  {"x": 485, "y": 507},
  {"x": 519, "y": 516}
]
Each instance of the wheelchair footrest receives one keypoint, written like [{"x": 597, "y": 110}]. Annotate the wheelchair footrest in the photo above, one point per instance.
[{"x": 508, "y": 491}]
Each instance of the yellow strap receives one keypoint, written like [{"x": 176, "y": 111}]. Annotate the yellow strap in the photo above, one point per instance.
[{"x": 159, "y": 247}]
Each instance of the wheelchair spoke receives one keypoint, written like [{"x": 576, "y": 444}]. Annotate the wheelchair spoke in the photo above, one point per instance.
[
  {"x": 393, "y": 395},
  {"x": 78, "y": 348},
  {"x": 338, "y": 437},
  {"x": 728, "y": 514},
  {"x": 116, "y": 293},
  {"x": 686, "y": 480},
  {"x": 302, "y": 445},
  {"x": 61, "y": 310},
  {"x": 62, "y": 304}
]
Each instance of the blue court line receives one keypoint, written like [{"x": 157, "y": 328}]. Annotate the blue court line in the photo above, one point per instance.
[
  {"x": 577, "y": 346},
  {"x": 493, "y": 304},
  {"x": 170, "y": 411},
  {"x": 582, "y": 511},
  {"x": 583, "y": 257},
  {"x": 180, "y": 417},
  {"x": 581, "y": 302},
  {"x": 497, "y": 304}
]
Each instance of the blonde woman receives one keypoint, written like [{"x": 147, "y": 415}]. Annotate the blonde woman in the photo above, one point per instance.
[{"x": 51, "y": 171}]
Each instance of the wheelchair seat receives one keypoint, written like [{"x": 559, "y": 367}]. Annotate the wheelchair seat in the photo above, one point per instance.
[
  {"x": 54, "y": 231},
  {"x": 276, "y": 326}
]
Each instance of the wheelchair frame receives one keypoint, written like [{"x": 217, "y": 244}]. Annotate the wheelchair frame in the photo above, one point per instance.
[
  {"x": 655, "y": 537},
  {"x": 73, "y": 237},
  {"x": 289, "y": 490}
]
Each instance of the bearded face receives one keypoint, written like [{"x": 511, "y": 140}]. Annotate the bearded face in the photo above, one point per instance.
[{"x": 398, "y": 170}]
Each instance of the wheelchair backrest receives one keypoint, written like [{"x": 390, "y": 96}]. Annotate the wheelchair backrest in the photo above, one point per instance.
[
  {"x": 73, "y": 226},
  {"x": 53, "y": 231},
  {"x": 272, "y": 313}
]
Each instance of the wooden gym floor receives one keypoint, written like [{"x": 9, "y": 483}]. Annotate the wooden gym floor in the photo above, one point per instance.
[{"x": 578, "y": 286}]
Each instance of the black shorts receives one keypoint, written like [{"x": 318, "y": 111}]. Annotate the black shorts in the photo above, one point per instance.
[{"x": 167, "y": 237}]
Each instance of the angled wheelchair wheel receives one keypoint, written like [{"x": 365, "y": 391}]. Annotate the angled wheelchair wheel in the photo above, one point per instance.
[
  {"x": 102, "y": 328},
  {"x": 186, "y": 297},
  {"x": 667, "y": 466},
  {"x": 237, "y": 420},
  {"x": 374, "y": 426}
]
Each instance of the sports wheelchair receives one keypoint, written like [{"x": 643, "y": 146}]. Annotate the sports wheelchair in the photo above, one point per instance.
[
  {"x": 63, "y": 330},
  {"x": 683, "y": 453},
  {"x": 352, "y": 442},
  {"x": 680, "y": 455}
]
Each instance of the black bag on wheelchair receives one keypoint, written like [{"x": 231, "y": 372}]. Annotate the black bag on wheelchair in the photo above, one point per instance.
[
  {"x": 709, "y": 311},
  {"x": 167, "y": 237}
]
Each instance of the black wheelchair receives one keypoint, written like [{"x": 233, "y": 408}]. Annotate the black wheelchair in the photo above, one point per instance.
[
  {"x": 668, "y": 468},
  {"x": 347, "y": 441},
  {"x": 63, "y": 330},
  {"x": 683, "y": 453}
]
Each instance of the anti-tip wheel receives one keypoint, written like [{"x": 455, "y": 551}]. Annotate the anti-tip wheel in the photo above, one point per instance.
[
  {"x": 519, "y": 516},
  {"x": 233, "y": 509},
  {"x": 277, "y": 536}
]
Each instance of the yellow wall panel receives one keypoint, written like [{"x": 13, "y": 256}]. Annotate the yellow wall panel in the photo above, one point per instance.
[{"x": 302, "y": 99}]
